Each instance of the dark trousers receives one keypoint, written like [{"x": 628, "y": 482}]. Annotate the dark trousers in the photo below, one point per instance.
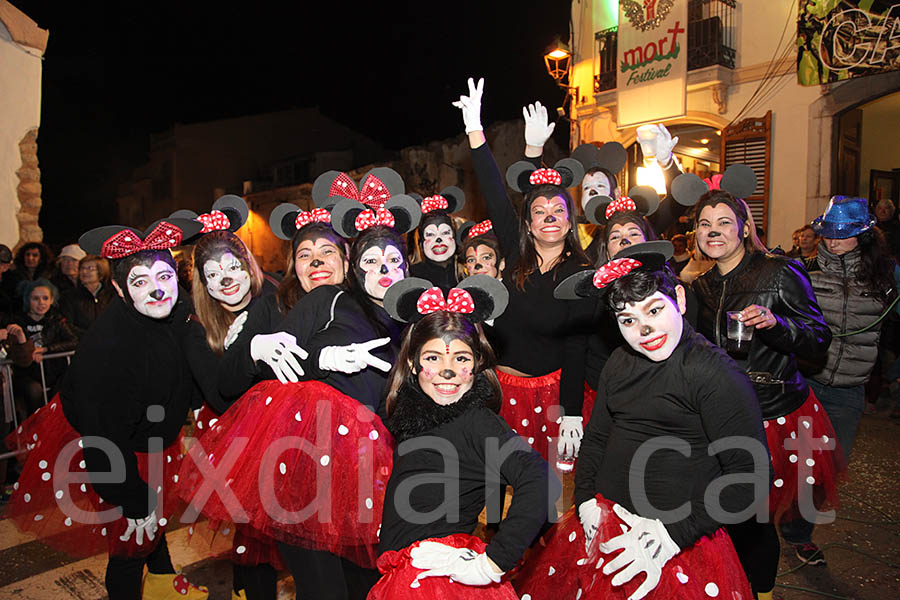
[
  {"x": 322, "y": 575},
  {"x": 259, "y": 582},
  {"x": 124, "y": 574},
  {"x": 759, "y": 550}
]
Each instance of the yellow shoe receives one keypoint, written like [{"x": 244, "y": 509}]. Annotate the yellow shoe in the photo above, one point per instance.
[
  {"x": 171, "y": 586},
  {"x": 241, "y": 595},
  {"x": 764, "y": 596}
]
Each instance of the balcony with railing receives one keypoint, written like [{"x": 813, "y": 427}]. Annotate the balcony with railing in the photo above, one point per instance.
[{"x": 710, "y": 41}]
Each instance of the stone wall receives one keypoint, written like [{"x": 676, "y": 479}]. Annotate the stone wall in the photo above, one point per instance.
[{"x": 29, "y": 190}]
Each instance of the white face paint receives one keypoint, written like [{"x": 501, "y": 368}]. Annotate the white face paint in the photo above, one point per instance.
[
  {"x": 595, "y": 184},
  {"x": 382, "y": 268},
  {"x": 153, "y": 290},
  {"x": 226, "y": 279},
  {"x": 653, "y": 326},
  {"x": 438, "y": 242}
]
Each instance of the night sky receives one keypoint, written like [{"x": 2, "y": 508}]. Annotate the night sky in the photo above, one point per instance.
[{"x": 114, "y": 72}]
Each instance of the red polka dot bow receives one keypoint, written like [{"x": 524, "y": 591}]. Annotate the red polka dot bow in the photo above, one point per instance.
[
  {"x": 714, "y": 182},
  {"x": 618, "y": 267},
  {"x": 545, "y": 176},
  {"x": 432, "y": 300},
  {"x": 126, "y": 242},
  {"x": 214, "y": 220},
  {"x": 480, "y": 228},
  {"x": 434, "y": 203},
  {"x": 369, "y": 218},
  {"x": 316, "y": 215},
  {"x": 622, "y": 204},
  {"x": 372, "y": 191}
]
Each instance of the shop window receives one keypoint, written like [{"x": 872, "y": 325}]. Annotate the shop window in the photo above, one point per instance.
[{"x": 750, "y": 142}]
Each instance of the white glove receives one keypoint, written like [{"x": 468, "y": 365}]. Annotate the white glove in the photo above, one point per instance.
[
  {"x": 647, "y": 548},
  {"x": 537, "y": 130},
  {"x": 459, "y": 564},
  {"x": 353, "y": 358},
  {"x": 148, "y": 525},
  {"x": 570, "y": 434},
  {"x": 657, "y": 142},
  {"x": 277, "y": 350},
  {"x": 235, "y": 329},
  {"x": 471, "y": 106},
  {"x": 591, "y": 515}
]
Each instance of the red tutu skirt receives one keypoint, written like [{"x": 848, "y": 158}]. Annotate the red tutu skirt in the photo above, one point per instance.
[
  {"x": 69, "y": 515},
  {"x": 234, "y": 542},
  {"x": 398, "y": 577},
  {"x": 801, "y": 468},
  {"x": 299, "y": 463},
  {"x": 560, "y": 569}
]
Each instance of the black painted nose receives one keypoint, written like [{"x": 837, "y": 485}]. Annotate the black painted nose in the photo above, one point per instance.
[
  {"x": 226, "y": 282},
  {"x": 157, "y": 294},
  {"x": 316, "y": 263},
  {"x": 550, "y": 219},
  {"x": 448, "y": 374},
  {"x": 384, "y": 269},
  {"x": 713, "y": 234}
]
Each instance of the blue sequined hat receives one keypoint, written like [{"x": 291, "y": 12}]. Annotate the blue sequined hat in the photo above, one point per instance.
[{"x": 844, "y": 218}]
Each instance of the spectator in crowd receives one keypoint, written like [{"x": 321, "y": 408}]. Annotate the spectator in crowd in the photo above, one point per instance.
[
  {"x": 33, "y": 261},
  {"x": 48, "y": 330},
  {"x": 65, "y": 276},
  {"x": 886, "y": 213},
  {"x": 682, "y": 255},
  {"x": 809, "y": 244},
  {"x": 83, "y": 304},
  {"x": 795, "y": 244}
]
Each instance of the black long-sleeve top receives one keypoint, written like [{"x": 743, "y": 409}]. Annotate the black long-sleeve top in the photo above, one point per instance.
[
  {"x": 327, "y": 316},
  {"x": 443, "y": 275},
  {"x": 537, "y": 334},
  {"x": 698, "y": 395},
  {"x": 423, "y": 481},
  {"x": 126, "y": 363}
]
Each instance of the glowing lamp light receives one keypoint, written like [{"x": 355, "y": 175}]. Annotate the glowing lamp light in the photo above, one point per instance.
[
  {"x": 704, "y": 141},
  {"x": 557, "y": 58},
  {"x": 652, "y": 176}
]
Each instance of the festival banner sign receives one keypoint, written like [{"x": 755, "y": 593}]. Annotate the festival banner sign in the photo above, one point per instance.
[
  {"x": 652, "y": 61},
  {"x": 844, "y": 39}
]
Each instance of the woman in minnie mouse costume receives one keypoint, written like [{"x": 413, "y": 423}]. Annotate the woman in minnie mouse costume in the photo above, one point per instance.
[
  {"x": 442, "y": 408},
  {"x": 436, "y": 236},
  {"x": 315, "y": 456},
  {"x": 116, "y": 425},
  {"x": 656, "y": 517},
  {"x": 539, "y": 341}
]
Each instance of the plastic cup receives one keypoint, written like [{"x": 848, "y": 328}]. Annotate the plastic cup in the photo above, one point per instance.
[{"x": 739, "y": 335}]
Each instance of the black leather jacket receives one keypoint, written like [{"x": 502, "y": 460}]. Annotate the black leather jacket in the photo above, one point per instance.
[{"x": 781, "y": 285}]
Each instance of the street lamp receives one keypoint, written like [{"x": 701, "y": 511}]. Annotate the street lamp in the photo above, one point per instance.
[{"x": 557, "y": 57}]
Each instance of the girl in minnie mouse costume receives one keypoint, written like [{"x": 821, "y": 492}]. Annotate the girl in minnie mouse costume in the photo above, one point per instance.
[
  {"x": 105, "y": 451},
  {"x": 655, "y": 517},
  {"x": 436, "y": 235},
  {"x": 479, "y": 249},
  {"x": 442, "y": 407},
  {"x": 539, "y": 342},
  {"x": 315, "y": 456}
]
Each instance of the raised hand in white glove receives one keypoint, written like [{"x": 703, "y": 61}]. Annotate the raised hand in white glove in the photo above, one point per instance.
[
  {"x": 591, "y": 515},
  {"x": 277, "y": 350},
  {"x": 471, "y": 106},
  {"x": 353, "y": 358},
  {"x": 647, "y": 548},
  {"x": 657, "y": 142},
  {"x": 459, "y": 564},
  {"x": 140, "y": 527},
  {"x": 537, "y": 130},
  {"x": 234, "y": 330},
  {"x": 570, "y": 434}
]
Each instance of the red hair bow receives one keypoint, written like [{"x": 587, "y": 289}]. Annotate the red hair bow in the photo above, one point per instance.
[
  {"x": 372, "y": 192},
  {"x": 431, "y": 203},
  {"x": 369, "y": 218},
  {"x": 540, "y": 176},
  {"x": 618, "y": 267},
  {"x": 126, "y": 242},
  {"x": 432, "y": 300},
  {"x": 624, "y": 203},
  {"x": 715, "y": 182},
  {"x": 480, "y": 228},
  {"x": 214, "y": 220},
  {"x": 316, "y": 215}
]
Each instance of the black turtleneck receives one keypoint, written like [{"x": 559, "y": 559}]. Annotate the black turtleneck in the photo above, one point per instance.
[{"x": 441, "y": 464}]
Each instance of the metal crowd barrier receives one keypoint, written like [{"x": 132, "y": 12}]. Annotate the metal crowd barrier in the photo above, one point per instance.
[{"x": 9, "y": 402}]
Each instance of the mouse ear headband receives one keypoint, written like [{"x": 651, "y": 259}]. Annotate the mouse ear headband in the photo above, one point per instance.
[
  {"x": 478, "y": 298},
  {"x": 522, "y": 176},
  {"x": 117, "y": 241},
  {"x": 471, "y": 229},
  {"x": 593, "y": 282},
  {"x": 738, "y": 180},
  {"x": 228, "y": 213},
  {"x": 288, "y": 218},
  {"x": 350, "y": 218},
  {"x": 376, "y": 187},
  {"x": 611, "y": 157},
  {"x": 641, "y": 199},
  {"x": 450, "y": 200}
]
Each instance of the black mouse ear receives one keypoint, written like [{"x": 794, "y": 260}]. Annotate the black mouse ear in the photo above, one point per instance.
[
  {"x": 343, "y": 217},
  {"x": 462, "y": 232},
  {"x": 329, "y": 185},
  {"x": 645, "y": 198},
  {"x": 588, "y": 155},
  {"x": 235, "y": 208},
  {"x": 612, "y": 156},
  {"x": 687, "y": 189},
  {"x": 407, "y": 212},
  {"x": 183, "y": 214},
  {"x": 576, "y": 286},
  {"x": 400, "y": 299},
  {"x": 283, "y": 220},
  {"x": 489, "y": 295},
  {"x": 389, "y": 178},
  {"x": 456, "y": 198},
  {"x": 92, "y": 241},
  {"x": 571, "y": 172},
  {"x": 517, "y": 175},
  {"x": 739, "y": 181},
  {"x": 595, "y": 209}
]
